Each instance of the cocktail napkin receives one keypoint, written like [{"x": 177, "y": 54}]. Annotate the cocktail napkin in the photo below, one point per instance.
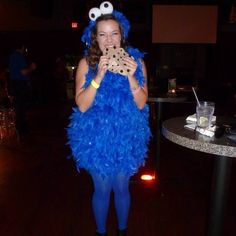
[
  {"x": 210, "y": 131},
  {"x": 193, "y": 118}
]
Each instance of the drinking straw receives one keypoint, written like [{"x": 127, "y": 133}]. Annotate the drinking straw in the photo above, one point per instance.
[{"x": 196, "y": 96}]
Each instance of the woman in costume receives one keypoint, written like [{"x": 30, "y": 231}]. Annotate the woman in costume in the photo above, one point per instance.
[{"x": 108, "y": 131}]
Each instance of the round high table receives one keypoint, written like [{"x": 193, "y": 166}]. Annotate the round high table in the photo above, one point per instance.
[
  {"x": 223, "y": 149},
  {"x": 158, "y": 101}
]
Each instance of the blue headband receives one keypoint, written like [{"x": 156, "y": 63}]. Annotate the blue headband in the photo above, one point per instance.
[{"x": 86, "y": 37}]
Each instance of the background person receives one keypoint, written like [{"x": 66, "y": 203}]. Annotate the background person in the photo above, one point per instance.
[{"x": 19, "y": 75}]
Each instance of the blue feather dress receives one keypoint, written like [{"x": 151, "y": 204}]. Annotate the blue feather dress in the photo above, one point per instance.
[{"x": 112, "y": 135}]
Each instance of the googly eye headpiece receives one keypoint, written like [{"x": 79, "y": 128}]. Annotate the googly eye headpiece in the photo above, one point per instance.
[{"x": 105, "y": 8}]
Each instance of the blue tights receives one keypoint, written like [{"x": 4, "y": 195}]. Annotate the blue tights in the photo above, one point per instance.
[{"x": 101, "y": 199}]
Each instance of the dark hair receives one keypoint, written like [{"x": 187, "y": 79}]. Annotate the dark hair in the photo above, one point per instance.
[{"x": 94, "y": 51}]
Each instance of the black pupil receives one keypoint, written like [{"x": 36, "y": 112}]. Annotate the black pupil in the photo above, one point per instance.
[
  {"x": 106, "y": 5},
  {"x": 92, "y": 15}
]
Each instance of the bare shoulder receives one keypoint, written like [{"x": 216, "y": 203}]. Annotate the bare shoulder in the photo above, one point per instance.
[
  {"x": 82, "y": 68},
  {"x": 83, "y": 65},
  {"x": 143, "y": 62},
  {"x": 143, "y": 66},
  {"x": 83, "y": 62}
]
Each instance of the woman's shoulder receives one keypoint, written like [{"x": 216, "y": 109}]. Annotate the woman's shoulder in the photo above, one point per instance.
[
  {"x": 83, "y": 62},
  {"x": 83, "y": 65}
]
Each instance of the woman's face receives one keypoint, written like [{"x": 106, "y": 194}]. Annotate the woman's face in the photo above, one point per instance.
[{"x": 108, "y": 34}]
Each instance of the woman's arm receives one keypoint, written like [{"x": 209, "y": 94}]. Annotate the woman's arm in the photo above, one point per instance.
[
  {"x": 28, "y": 70},
  {"x": 140, "y": 93},
  {"x": 84, "y": 97}
]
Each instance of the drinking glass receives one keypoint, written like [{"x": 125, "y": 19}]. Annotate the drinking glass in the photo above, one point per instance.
[{"x": 204, "y": 113}]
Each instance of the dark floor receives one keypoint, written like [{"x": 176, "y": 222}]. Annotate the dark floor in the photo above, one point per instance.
[{"x": 41, "y": 194}]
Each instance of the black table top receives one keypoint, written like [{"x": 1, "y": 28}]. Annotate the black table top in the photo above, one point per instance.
[{"x": 173, "y": 129}]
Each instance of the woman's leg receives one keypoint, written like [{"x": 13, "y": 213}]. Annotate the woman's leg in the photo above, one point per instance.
[
  {"x": 101, "y": 200},
  {"x": 122, "y": 199}
]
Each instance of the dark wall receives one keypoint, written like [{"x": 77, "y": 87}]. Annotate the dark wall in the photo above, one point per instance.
[{"x": 43, "y": 45}]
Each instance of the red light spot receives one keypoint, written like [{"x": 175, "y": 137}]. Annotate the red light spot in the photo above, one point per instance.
[
  {"x": 74, "y": 25},
  {"x": 147, "y": 177}
]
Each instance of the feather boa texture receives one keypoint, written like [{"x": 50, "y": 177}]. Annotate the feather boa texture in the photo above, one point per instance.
[{"x": 113, "y": 134}]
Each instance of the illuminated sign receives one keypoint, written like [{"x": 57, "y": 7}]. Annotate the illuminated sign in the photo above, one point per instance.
[{"x": 74, "y": 25}]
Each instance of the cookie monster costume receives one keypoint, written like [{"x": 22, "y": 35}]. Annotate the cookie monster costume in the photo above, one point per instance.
[{"x": 113, "y": 134}]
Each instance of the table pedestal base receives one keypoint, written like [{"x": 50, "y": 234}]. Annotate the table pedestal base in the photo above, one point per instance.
[{"x": 219, "y": 192}]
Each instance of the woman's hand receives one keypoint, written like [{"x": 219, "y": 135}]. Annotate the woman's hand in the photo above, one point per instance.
[
  {"x": 130, "y": 65},
  {"x": 102, "y": 67}
]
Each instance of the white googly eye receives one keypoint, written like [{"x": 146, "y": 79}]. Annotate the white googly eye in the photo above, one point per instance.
[
  {"x": 94, "y": 13},
  {"x": 106, "y": 8}
]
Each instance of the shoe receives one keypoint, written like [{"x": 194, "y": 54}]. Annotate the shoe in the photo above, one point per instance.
[
  {"x": 103, "y": 234},
  {"x": 122, "y": 232}
]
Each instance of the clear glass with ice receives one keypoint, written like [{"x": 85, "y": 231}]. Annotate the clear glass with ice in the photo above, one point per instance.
[{"x": 204, "y": 113}]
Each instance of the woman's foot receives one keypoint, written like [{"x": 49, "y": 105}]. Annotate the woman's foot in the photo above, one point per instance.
[
  {"x": 122, "y": 232},
  {"x": 99, "y": 234}
]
